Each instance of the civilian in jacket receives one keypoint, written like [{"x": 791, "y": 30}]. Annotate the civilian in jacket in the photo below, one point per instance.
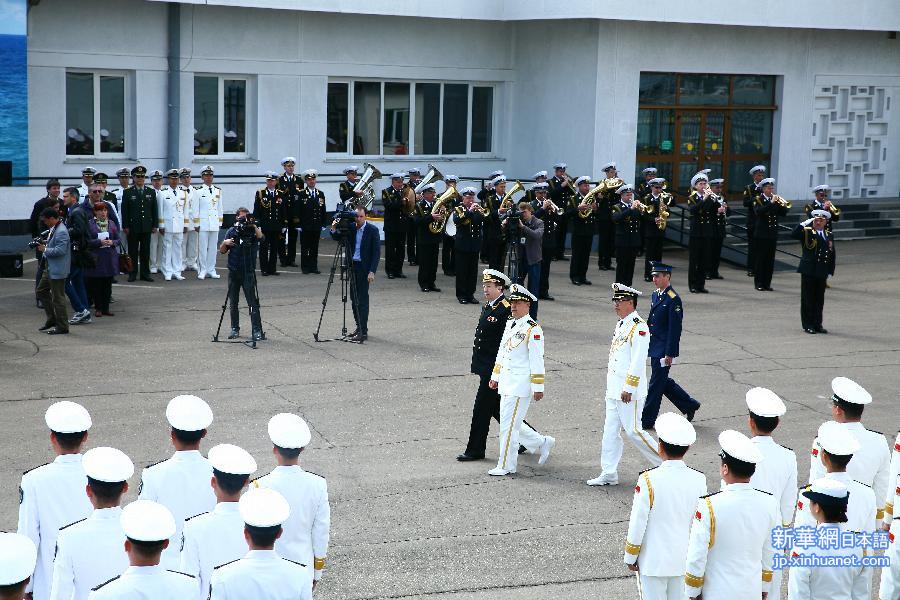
[
  {"x": 51, "y": 199},
  {"x": 530, "y": 232},
  {"x": 57, "y": 255},
  {"x": 103, "y": 243},
  {"x": 365, "y": 250},
  {"x": 77, "y": 216}
]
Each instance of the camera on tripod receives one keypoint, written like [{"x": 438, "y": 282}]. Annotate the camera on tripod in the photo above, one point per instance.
[
  {"x": 244, "y": 228},
  {"x": 40, "y": 240},
  {"x": 345, "y": 218}
]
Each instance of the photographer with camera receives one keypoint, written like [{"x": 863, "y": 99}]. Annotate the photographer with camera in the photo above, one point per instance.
[
  {"x": 525, "y": 233},
  {"x": 241, "y": 243},
  {"x": 56, "y": 251},
  {"x": 363, "y": 243}
]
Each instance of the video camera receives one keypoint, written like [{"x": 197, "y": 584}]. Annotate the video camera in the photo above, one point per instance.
[
  {"x": 345, "y": 218},
  {"x": 40, "y": 240},
  {"x": 245, "y": 227}
]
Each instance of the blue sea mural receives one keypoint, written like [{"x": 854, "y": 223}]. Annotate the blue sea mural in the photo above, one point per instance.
[{"x": 14, "y": 86}]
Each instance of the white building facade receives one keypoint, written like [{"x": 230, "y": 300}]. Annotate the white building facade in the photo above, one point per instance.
[{"x": 471, "y": 86}]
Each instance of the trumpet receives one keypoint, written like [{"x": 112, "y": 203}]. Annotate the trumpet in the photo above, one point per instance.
[
  {"x": 439, "y": 211},
  {"x": 507, "y": 201},
  {"x": 785, "y": 203},
  {"x": 555, "y": 208}
]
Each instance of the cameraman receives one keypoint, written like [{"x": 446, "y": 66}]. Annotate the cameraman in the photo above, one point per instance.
[
  {"x": 243, "y": 237},
  {"x": 364, "y": 246},
  {"x": 527, "y": 232}
]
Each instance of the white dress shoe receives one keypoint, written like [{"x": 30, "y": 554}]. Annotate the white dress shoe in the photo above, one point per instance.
[
  {"x": 201, "y": 275},
  {"x": 215, "y": 275},
  {"x": 154, "y": 271},
  {"x": 604, "y": 479},
  {"x": 546, "y": 447},
  {"x": 167, "y": 277},
  {"x": 497, "y": 471},
  {"x": 179, "y": 276}
]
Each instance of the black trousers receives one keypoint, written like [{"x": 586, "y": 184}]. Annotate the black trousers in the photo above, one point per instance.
[
  {"x": 715, "y": 256},
  {"x": 239, "y": 280},
  {"x": 606, "y": 243},
  {"x": 448, "y": 264},
  {"x": 765, "y": 262},
  {"x": 487, "y": 405},
  {"x": 411, "y": 243},
  {"x": 290, "y": 252},
  {"x": 394, "y": 251},
  {"x": 466, "y": 274},
  {"x": 428, "y": 261},
  {"x": 662, "y": 385},
  {"x": 495, "y": 251},
  {"x": 652, "y": 252},
  {"x": 562, "y": 228},
  {"x": 268, "y": 250},
  {"x": 547, "y": 255},
  {"x": 139, "y": 249},
  {"x": 698, "y": 256},
  {"x": 581, "y": 256},
  {"x": 359, "y": 296},
  {"x": 812, "y": 301},
  {"x": 751, "y": 248},
  {"x": 625, "y": 259},
  {"x": 309, "y": 250},
  {"x": 99, "y": 291}
]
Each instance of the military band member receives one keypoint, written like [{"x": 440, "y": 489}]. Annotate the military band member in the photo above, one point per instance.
[
  {"x": 190, "y": 245},
  {"x": 655, "y": 223},
  {"x": 448, "y": 243},
  {"x": 751, "y": 191},
  {"x": 268, "y": 212},
  {"x": 427, "y": 242},
  {"x": 468, "y": 219},
  {"x": 156, "y": 238},
  {"x": 539, "y": 177},
  {"x": 723, "y": 211},
  {"x": 52, "y": 495},
  {"x": 415, "y": 177},
  {"x": 18, "y": 557},
  {"x": 664, "y": 501},
  {"x": 518, "y": 376},
  {"x": 491, "y": 326},
  {"x": 290, "y": 187},
  {"x": 182, "y": 483},
  {"x": 216, "y": 538},
  {"x": 583, "y": 225},
  {"x": 148, "y": 527},
  {"x": 173, "y": 225},
  {"x": 561, "y": 191},
  {"x": 140, "y": 217},
  {"x": 626, "y": 387},
  {"x": 488, "y": 188},
  {"x": 606, "y": 199},
  {"x": 768, "y": 208},
  {"x": 345, "y": 189},
  {"x": 816, "y": 264},
  {"x": 492, "y": 230},
  {"x": 262, "y": 572},
  {"x": 871, "y": 463},
  {"x": 546, "y": 211},
  {"x": 730, "y": 549},
  {"x": 821, "y": 202},
  {"x": 208, "y": 208},
  {"x": 664, "y": 322},
  {"x": 91, "y": 551},
  {"x": 702, "y": 206},
  {"x": 307, "y": 530},
  {"x": 396, "y": 226},
  {"x": 87, "y": 178},
  {"x": 643, "y": 188},
  {"x": 124, "y": 177},
  {"x": 628, "y": 220},
  {"x": 312, "y": 218}
]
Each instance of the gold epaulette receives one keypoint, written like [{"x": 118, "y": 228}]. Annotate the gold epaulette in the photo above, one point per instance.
[{"x": 671, "y": 294}]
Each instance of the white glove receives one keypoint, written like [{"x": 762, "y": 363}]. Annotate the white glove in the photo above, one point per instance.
[{"x": 807, "y": 222}]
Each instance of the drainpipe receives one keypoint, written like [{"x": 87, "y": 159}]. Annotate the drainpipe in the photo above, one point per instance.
[{"x": 174, "y": 84}]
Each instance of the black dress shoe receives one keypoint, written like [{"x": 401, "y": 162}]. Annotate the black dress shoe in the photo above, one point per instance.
[
  {"x": 760, "y": 289},
  {"x": 769, "y": 289},
  {"x": 575, "y": 282},
  {"x": 56, "y": 331},
  {"x": 586, "y": 282},
  {"x": 425, "y": 289},
  {"x": 264, "y": 274},
  {"x": 471, "y": 300},
  {"x": 47, "y": 326},
  {"x": 359, "y": 337},
  {"x": 810, "y": 330},
  {"x": 352, "y": 333},
  {"x": 434, "y": 289},
  {"x": 132, "y": 277},
  {"x": 717, "y": 276},
  {"x": 317, "y": 272},
  {"x": 546, "y": 297},
  {"x": 275, "y": 273},
  {"x": 692, "y": 290},
  {"x": 463, "y": 300},
  {"x": 401, "y": 275},
  {"x": 703, "y": 291},
  {"x": 390, "y": 276},
  {"x": 147, "y": 278},
  {"x": 821, "y": 329},
  {"x": 689, "y": 415},
  {"x": 467, "y": 457}
]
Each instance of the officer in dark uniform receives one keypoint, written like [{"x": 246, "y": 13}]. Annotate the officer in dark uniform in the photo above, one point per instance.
[
  {"x": 539, "y": 177},
  {"x": 493, "y": 247},
  {"x": 765, "y": 234},
  {"x": 628, "y": 220},
  {"x": 723, "y": 211},
  {"x": 664, "y": 322},
  {"x": 448, "y": 244},
  {"x": 752, "y": 190},
  {"x": 396, "y": 226},
  {"x": 543, "y": 210},
  {"x": 345, "y": 190},
  {"x": 561, "y": 192},
  {"x": 583, "y": 230},
  {"x": 702, "y": 206},
  {"x": 654, "y": 228},
  {"x": 139, "y": 220},
  {"x": 816, "y": 264},
  {"x": 415, "y": 177},
  {"x": 427, "y": 242},
  {"x": 606, "y": 234},
  {"x": 312, "y": 217},
  {"x": 290, "y": 187},
  {"x": 821, "y": 202},
  {"x": 268, "y": 212},
  {"x": 643, "y": 188},
  {"x": 468, "y": 219}
]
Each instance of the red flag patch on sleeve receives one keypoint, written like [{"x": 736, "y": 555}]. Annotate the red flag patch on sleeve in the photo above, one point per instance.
[
  {"x": 637, "y": 489},
  {"x": 815, "y": 452},
  {"x": 642, "y": 333},
  {"x": 537, "y": 336},
  {"x": 698, "y": 516}
]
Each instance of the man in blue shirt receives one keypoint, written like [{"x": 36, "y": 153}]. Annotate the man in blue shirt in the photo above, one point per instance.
[
  {"x": 664, "y": 321},
  {"x": 241, "y": 243},
  {"x": 365, "y": 248}
]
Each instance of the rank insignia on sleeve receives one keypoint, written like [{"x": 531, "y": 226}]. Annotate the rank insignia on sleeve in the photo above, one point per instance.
[
  {"x": 677, "y": 309},
  {"x": 492, "y": 319},
  {"x": 21, "y": 495}
]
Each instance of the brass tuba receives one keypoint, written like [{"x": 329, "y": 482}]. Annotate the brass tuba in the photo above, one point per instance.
[
  {"x": 430, "y": 177},
  {"x": 364, "y": 185},
  {"x": 507, "y": 201},
  {"x": 590, "y": 200},
  {"x": 440, "y": 212}
]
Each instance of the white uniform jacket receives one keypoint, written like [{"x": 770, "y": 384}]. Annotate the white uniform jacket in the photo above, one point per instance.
[
  {"x": 890, "y": 578},
  {"x": 210, "y": 540},
  {"x": 172, "y": 203},
  {"x": 51, "y": 496},
  {"x": 88, "y": 553},
  {"x": 148, "y": 583},
  {"x": 777, "y": 474},
  {"x": 261, "y": 575},
  {"x": 181, "y": 484},
  {"x": 861, "y": 505},
  {"x": 519, "y": 369},
  {"x": 307, "y": 530},
  {"x": 833, "y": 583},
  {"x": 627, "y": 368},
  {"x": 189, "y": 203},
  {"x": 730, "y": 549},
  {"x": 871, "y": 464},
  {"x": 207, "y": 207},
  {"x": 664, "y": 502},
  {"x": 892, "y": 496}
]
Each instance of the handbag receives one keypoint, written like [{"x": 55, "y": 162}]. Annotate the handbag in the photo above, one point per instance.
[{"x": 126, "y": 265}]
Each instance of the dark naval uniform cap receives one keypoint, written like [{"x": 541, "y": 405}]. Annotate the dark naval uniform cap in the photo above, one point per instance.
[
  {"x": 658, "y": 267},
  {"x": 139, "y": 171},
  {"x": 101, "y": 178}
]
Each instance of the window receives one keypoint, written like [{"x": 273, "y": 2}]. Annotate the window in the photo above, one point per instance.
[
  {"x": 95, "y": 114},
  {"x": 220, "y": 116},
  {"x": 394, "y": 118}
]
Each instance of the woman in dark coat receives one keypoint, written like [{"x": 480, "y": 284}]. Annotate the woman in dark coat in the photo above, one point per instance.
[{"x": 103, "y": 244}]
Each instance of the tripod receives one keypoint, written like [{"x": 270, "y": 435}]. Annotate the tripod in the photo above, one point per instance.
[
  {"x": 251, "y": 343},
  {"x": 513, "y": 250},
  {"x": 348, "y": 288}
]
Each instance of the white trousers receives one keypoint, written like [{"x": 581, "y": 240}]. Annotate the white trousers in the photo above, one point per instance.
[
  {"x": 206, "y": 252},
  {"x": 172, "y": 253},
  {"x": 621, "y": 416},
  {"x": 157, "y": 247},
  {"x": 513, "y": 432},
  {"x": 189, "y": 249},
  {"x": 660, "y": 588}
]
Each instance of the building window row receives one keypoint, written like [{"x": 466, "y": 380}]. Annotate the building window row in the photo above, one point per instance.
[
  {"x": 95, "y": 114},
  {"x": 393, "y": 118}
]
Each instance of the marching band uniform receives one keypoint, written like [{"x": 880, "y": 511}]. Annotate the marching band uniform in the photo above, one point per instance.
[
  {"x": 816, "y": 264},
  {"x": 643, "y": 188},
  {"x": 190, "y": 244},
  {"x": 173, "y": 220},
  {"x": 730, "y": 550},
  {"x": 628, "y": 224},
  {"x": 765, "y": 235},
  {"x": 208, "y": 209},
  {"x": 548, "y": 243},
  {"x": 626, "y": 371},
  {"x": 290, "y": 187},
  {"x": 519, "y": 373},
  {"x": 583, "y": 230},
  {"x": 467, "y": 245},
  {"x": 661, "y": 512},
  {"x": 720, "y": 231},
  {"x": 448, "y": 243},
  {"x": 139, "y": 218},
  {"x": 561, "y": 195},
  {"x": 396, "y": 225},
  {"x": 308, "y": 528},
  {"x": 415, "y": 177},
  {"x": 312, "y": 217},
  {"x": 52, "y": 495},
  {"x": 494, "y": 248},
  {"x": 427, "y": 243},
  {"x": 751, "y": 191},
  {"x": 268, "y": 212},
  {"x": 654, "y": 236},
  {"x": 703, "y": 211},
  {"x": 818, "y": 204},
  {"x": 606, "y": 199}
]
